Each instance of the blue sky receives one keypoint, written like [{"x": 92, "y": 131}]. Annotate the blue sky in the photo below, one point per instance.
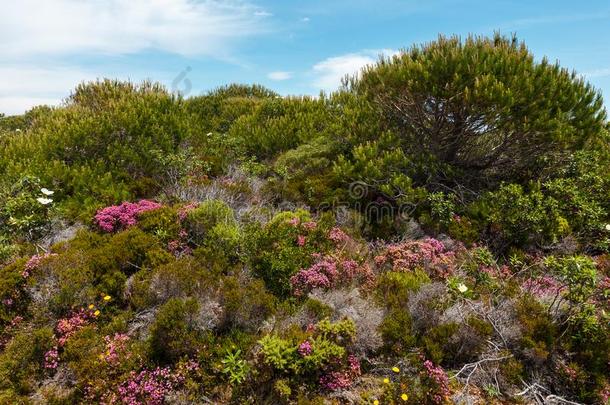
[{"x": 294, "y": 47}]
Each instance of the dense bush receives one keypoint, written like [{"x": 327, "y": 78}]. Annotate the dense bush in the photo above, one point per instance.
[{"x": 483, "y": 108}]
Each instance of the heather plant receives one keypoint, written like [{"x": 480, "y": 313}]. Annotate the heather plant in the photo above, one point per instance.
[
  {"x": 284, "y": 245},
  {"x": 117, "y": 217},
  {"x": 428, "y": 254}
]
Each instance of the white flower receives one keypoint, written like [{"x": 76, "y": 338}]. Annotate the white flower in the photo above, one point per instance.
[
  {"x": 44, "y": 201},
  {"x": 608, "y": 227},
  {"x": 462, "y": 288},
  {"x": 46, "y": 191}
]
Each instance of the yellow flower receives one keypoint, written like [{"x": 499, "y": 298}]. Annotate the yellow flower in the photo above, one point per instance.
[
  {"x": 91, "y": 306},
  {"x": 97, "y": 312},
  {"x": 107, "y": 298},
  {"x": 375, "y": 402},
  {"x": 386, "y": 380},
  {"x": 404, "y": 397},
  {"x": 396, "y": 369}
]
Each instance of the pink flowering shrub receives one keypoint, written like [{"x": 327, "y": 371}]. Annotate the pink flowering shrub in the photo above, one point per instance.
[
  {"x": 327, "y": 272},
  {"x": 51, "y": 358},
  {"x": 545, "y": 286},
  {"x": 179, "y": 247},
  {"x": 143, "y": 387},
  {"x": 116, "y": 348},
  {"x": 428, "y": 254},
  {"x": 117, "y": 217},
  {"x": 147, "y": 387},
  {"x": 437, "y": 382},
  {"x": 184, "y": 211},
  {"x": 34, "y": 262},
  {"x": 337, "y": 236},
  {"x": 66, "y": 327},
  {"x": 342, "y": 379}
]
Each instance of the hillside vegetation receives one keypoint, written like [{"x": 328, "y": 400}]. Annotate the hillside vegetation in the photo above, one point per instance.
[{"x": 437, "y": 231}]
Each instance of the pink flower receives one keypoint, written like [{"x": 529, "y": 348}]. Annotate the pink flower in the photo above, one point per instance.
[
  {"x": 115, "y": 348},
  {"x": 437, "y": 378},
  {"x": 67, "y": 327},
  {"x": 51, "y": 359},
  {"x": 428, "y": 254},
  {"x": 342, "y": 379},
  {"x": 122, "y": 216},
  {"x": 305, "y": 348},
  {"x": 301, "y": 240},
  {"x": 34, "y": 262},
  {"x": 337, "y": 236},
  {"x": 311, "y": 225},
  {"x": 184, "y": 211}
]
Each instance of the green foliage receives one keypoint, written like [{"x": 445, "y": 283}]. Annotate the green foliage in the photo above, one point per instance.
[
  {"x": 22, "y": 215},
  {"x": 328, "y": 345},
  {"x": 525, "y": 217},
  {"x": 483, "y": 106},
  {"x": 578, "y": 274},
  {"x": 21, "y": 361},
  {"x": 235, "y": 367},
  {"x": 280, "y": 124},
  {"x": 274, "y": 253},
  {"x": 475, "y": 139},
  {"x": 213, "y": 222},
  {"x": 174, "y": 333},
  {"x": 101, "y": 147}
]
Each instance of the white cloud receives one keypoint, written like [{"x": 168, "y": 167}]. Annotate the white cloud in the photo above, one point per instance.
[
  {"x": 186, "y": 27},
  {"x": 597, "y": 73},
  {"x": 263, "y": 14},
  {"x": 279, "y": 75},
  {"x": 25, "y": 87},
  {"x": 329, "y": 72},
  {"x": 22, "y": 88},
  {"x": 305, "y": 19}
]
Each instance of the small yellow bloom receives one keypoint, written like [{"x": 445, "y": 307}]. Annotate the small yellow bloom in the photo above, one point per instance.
[
  {"x": 375, "y": 402},
  {"x": 396, "y": 369},
  {"x": 404, "y": 397},
  {"x": 107, "y": 298},
  {"x": 91, "y": 306},
  {"x": 386, "y": 380},
  {"x": 97, "y": 312}
]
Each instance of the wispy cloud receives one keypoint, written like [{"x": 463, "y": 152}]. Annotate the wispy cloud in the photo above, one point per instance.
[
  {"x": 279, "y": 76},
  {"x": 36, "y": 34},
  {"x": 329, "y": 72},
  {"x": 603, "y": 72},
  {"x": 553, "y": 19},
  {"x": 23, "y": 87},
  {"x": 186, "y": 27}
]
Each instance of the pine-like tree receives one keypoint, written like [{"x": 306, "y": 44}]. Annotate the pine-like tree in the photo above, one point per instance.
[{"x": 483, "y": 108}]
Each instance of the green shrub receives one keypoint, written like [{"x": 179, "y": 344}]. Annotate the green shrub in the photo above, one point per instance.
[
  {"x": 22, "y": 359},
  {"x": 467, "y": 104},
  {"x": 175, "y": 333},
  {"x": 274, "y": 252},
  {"x": 100, "y": 148}
]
